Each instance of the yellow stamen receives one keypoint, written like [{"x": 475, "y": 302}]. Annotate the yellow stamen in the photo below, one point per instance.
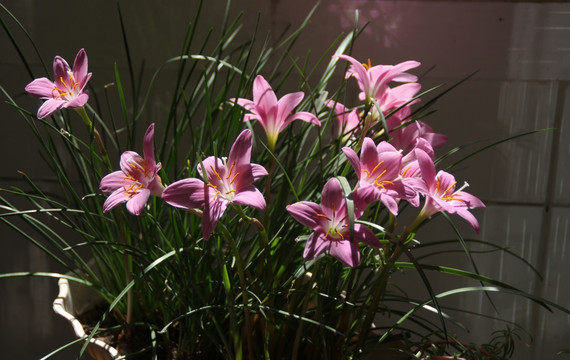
[
  {"x": 368, "y": 65},
  {"x": 231, "y": 191},
  {"x": 450, "y": 187},
  {"x": 212, "y": 186},
  {"x": 367, "y": 172},
  {"x": 231, "y": 169},
  {"x": 338, "y": 232},
  {"x": 216, "y": 173},
  {"x": 376, "y": 167},
  {"x": 323, "y": 215},
  {"x": 234, "y": 178}
]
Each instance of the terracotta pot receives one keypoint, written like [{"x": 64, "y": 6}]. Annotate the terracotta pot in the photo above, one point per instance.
[{"x": 73, "y": 300}]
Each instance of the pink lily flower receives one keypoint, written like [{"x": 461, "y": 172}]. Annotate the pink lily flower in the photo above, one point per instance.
[
  {"x": 330, "y": 222},
  {"x": 137, "y": 179},
  {"x": 68, "y": 89},
  {"x": 228, "y": 182},
  {"x": 405, "y": 138},
  {"x": 378, "y": 171},
  {"x": 347, "y": 120},
  {"x": 441, "y": 195},
  {"x": 272, "y": 114},
  {"x": 373, "y": 80}
]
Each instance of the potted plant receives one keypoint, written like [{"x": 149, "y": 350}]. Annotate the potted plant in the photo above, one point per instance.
[{"x": 251, "y": 221}]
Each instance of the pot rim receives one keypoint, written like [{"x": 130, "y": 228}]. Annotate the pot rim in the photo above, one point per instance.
[{"x": 63, "y": 306}]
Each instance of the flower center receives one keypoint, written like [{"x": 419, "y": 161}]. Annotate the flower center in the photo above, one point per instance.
[
  {"x": 378, "y": 180},
  {"x": 334, "y": 226},
  {"x": 225, "y": 185},
  {"x": 449, "y": 194},
  {"x": 67, "y": 90}
]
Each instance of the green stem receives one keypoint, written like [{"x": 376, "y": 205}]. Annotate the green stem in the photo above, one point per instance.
[
  {"x": 83, "y": 114},
  {"x": 241, "y": 273}
]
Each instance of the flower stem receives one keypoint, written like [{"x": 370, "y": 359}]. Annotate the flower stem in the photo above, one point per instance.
[
  {"x": 83, "y": 114},
  {"x": 241, "y": 273}
]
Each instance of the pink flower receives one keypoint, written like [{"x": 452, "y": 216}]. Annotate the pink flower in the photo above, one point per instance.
[
  {"x": 405, "y": 138},
  {"x": 441, "y": 195},
  {"x": 330, "y": 222},
  {"x": 68, "y": 90},
  {"x": 273, "y": 115},
  {"x": 137, "y": 179},
  {"x": 378, "y": 170},
  {"x": 229, "y": 182},
  {"x": 373, "y": 80},
  {"x": 347, "y": 120}
]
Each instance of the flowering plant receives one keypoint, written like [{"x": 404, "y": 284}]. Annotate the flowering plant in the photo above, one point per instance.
[{"x": 287, "y": 247}]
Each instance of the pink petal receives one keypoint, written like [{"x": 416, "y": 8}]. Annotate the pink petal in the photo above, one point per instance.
[
  {"x": 470, "y": 201},
  {"x": 345, "y": 251},
  {"x": 390, "y": 203},
  {"x": 113, "y": 181},
  {"x": 398, "y": 72},
  {"x": 213, "y": 211},
  {"x": 353, "y": 159},
  {"x": 471, "y": 219},
  {"x": 148, "y": 147},
  {"x": 80, "y": 68},
  {"x": 119, "y": 196},
  {"x": 49, "y": 107},
  {"x": 258, "y": 171},
  {"x": 368, "y": 154},
  {"x": 244, "y": 103},
  {"x": 263, "y": 95},
  {"x": 315, "y": 245},
  {"x": 240, "y": 152},
  {"x": 186, "y": 193},
  {"x": 304, "y": 116},
  {"x": 427, "y": 169},
  {"x": 286, "y": 104},
  {"x": 136, "y": 204},
  {"x": 214, "y": 169},
  {"x": 365, "y": 235},
  {"x": 360, "y": 72},
  {"x": 250, "y": 197},
  {"x": 306, "y": 212},
  {"x": 132, "y": 164},
  {"x": 60, "y": 69},
  {"x": 42, "y": 88},
  {"x": 332, "y": 198},
  {"x": 79, "y": 101}
]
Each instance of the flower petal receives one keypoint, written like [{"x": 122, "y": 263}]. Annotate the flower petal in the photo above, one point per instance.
[
  {"x": 287, "y": 103},
  {"x": 332, "y": 198},
  {"x": 345, "y": 251},
  {"x": 136, "y": 204},
  {"x": 366, "y": 236},
  {"x": 79, "y": 101},
  {"x": 119, "y": 196},
  {"x": 250, "y": 197},
  {"x": 213, "y": 211},
  {"x": 186, "y": 193},
  {"x": 113, "y": 181},
  {"x": 240, "y": 152},
  {"x": 49, "y": 107},
  {"x": 263, "y": 95},
  {"x": 353, "y": 159},
  {"x": 306, "y": 213},
  {"x": 302, "y": 115},
  {"x": 258, "y": 171},
  {"x": 80, "y": 68},
  {"x": 148, "y": 148},
  {"x": 315, "y": 245},
  {"x": 42, "y": 88}
]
